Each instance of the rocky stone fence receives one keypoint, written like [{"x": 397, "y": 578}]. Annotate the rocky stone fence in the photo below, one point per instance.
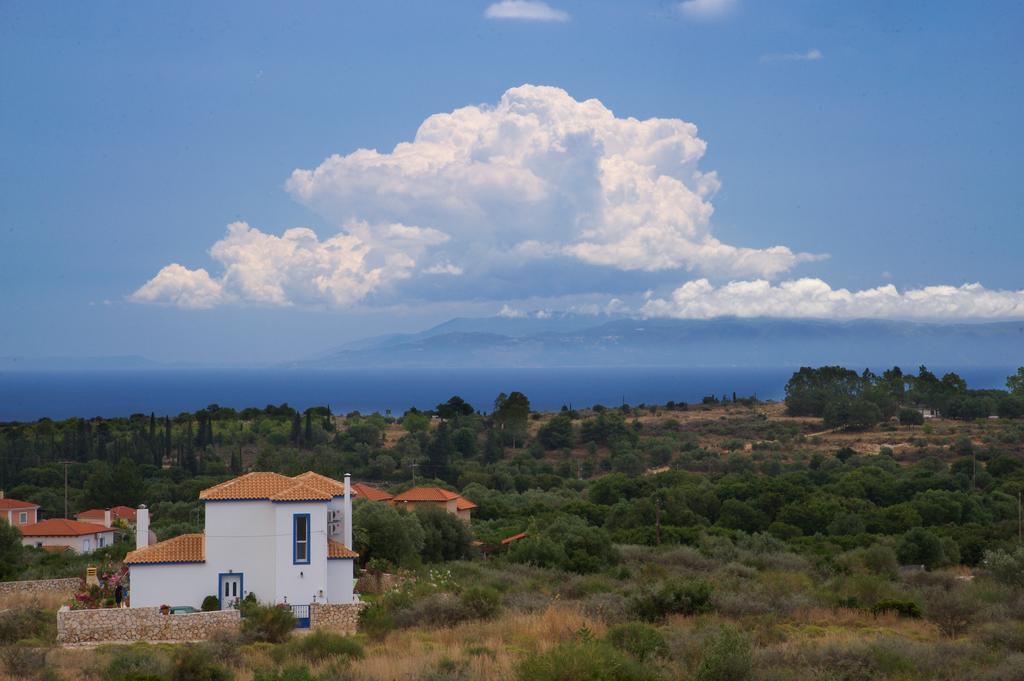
[
  {"x": 342, "y": 618},
  {"x": 379, "y": 582},
  {"x": 68, "y": 585},
  {"x": 140, "y": 624}
]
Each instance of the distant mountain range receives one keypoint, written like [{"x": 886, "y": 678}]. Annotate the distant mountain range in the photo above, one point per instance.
[{"x": 551, "y": 340}]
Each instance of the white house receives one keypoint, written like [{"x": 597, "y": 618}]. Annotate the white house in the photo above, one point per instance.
[
  {"x": 286, "y": 540},
  {"x": 63, "y": 533}
]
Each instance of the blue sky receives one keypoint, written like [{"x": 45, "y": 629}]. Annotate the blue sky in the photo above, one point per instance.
[{"x": 882, "y": 135}]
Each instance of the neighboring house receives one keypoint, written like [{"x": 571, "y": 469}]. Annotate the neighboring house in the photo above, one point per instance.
[
  {"x": 929, "y": 413},
  {"x": 79, "y": 537},
  {"x": 17, "y": 512},
  {"x": 361, "y": 489},
  {"x": 435, "y": 496},
  {"x": 107, "y": 516},
  {"x": 286, "y": 540}
]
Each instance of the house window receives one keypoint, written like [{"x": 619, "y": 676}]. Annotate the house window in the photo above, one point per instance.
[
  {"x": 300, "y": 537},
  {"x": 23, "y": 517},
  {"x": 103, "y": 541}
]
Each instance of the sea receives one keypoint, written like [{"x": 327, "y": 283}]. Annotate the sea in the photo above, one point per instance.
[{"x": 31, "y": 395}]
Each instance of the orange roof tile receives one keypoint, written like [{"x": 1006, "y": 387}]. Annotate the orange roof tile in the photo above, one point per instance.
[
  {"x": 259, "y": 485},
  {"x": 116, "y": 512},
  {"x": 308, "y": 486},
  {"x": 60, "y": 527},
  {"x": 322, "y": 482},
  {"x": 302, "y": 492},
  {"x": 185, "y": 548},
  {"x": 426, "y": 494},
  {"x": 370, "y": 492},
  {"x": 335, "y": 549},
  {"x": 464, "y": 504},
  {"x": 8, "y": 504},
  {"x": 514, "y": 537}
]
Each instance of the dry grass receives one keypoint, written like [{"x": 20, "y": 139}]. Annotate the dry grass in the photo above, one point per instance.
[{"x": 43, "y": 601}]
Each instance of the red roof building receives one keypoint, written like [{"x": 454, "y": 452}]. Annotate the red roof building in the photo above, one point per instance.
[
  {"x": 107, "y": 516},
  {"x": 17, "y": 512},
  {"x": 452, "y": 502},
  {"x": 79, "y": 537},
  {"x": 370, "y": 492}
]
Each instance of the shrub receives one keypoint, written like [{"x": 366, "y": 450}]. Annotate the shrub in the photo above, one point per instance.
[
  {"x": 137, "y": 663},
  {"x": 270, "y": 623},
  {"x": 902, "y": 608},
  {"x": 292, "y": 673},
  {"x": 22, "y": 662},
  {"x": 683, "y": 597},
  {"x": 375, "y": 621},
  {"x": 911, "y": 417},
  {"x": 1006, "y": 567},
  {"x": 321, "y": 645},
  {"x": 194, "y": 663},
  {"x": 588, "y": 661},
  {"x": 210, "y": 604},
  {"x": 26, "y": 622},
  {"x": 727, "y": 657},
  {"x": 951, "y": 610},
  {"x": 481, "y": 602},
  {"x": 639, "y": 640}
]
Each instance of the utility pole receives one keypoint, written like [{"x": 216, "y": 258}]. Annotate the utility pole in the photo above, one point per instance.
[
  {"x": 1020, "y": 520},
  {"x": 65, "y": 487}
]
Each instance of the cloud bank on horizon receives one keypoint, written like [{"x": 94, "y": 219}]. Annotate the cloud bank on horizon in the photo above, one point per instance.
[{"x": 485, "y": 193}]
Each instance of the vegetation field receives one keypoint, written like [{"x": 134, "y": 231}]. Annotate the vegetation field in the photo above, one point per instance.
[{"x": 839, "y": 535}]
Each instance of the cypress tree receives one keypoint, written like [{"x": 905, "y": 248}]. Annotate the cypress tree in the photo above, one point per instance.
[{"x": 309, "y": 428}]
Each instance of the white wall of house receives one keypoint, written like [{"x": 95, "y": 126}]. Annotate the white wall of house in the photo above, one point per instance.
[
  {"x": 171, "y": 584},
  {"x": 239, "y": 538},
  {"x": 340, "y": 574},
  {"x": 86, "y": 543},
  {"x": 299, "y": 583}
]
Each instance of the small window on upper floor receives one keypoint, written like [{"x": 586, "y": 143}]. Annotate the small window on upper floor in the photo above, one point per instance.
[
  {"x": 300, "y": 535},
  {"x": 23, "y": 517}
]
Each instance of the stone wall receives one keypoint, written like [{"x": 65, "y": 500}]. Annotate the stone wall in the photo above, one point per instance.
[
  {"x": 68, "y": 586},
  {"x": 379, "y": 582},
  {"x": 140, "y": 624},
  {"x": 342, "y": 618}
]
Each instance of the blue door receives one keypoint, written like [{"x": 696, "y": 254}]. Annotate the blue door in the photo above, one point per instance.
[{"x": 301, "y": 613}]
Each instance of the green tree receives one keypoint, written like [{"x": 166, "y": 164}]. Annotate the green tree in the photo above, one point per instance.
[
  {"x": 557, "y": 433},
  {"x": 383, "y": 532},
  {"x": 445, "y": 537},
  {"x": 10, "y": 551},
  {"x": 511, "y": 413},
  {"x": 1015, "y": 383}
]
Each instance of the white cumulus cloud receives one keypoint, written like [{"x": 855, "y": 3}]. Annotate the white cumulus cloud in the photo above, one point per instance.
[
  {"x": 813, "y": 298},
  {"x": 177, "y": 285},
  {"x": 296, "y": 267},
  {"x": 542, "y": 175},
  {"x": 705, "y": 9},
  {"x": 525, "y": 10}
]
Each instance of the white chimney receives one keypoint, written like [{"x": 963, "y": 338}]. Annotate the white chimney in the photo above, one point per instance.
[
  {"x": 347, "y": 538},
  {"x": 142, "y": 527},
  {"x": 106, "y": 517}
]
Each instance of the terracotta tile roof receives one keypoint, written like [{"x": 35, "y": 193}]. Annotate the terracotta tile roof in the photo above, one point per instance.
[
  {"x": 185, "y": 548},
  {"x": 248, "y": 486},
  {"x": 302, "y": 492},
  {"x": 464, "y": 504},
  {"x": 514, "y": 537},
  {"x": 322, "y": 482},
  {"x": 335, "y": 549},
  {"x": 370, "y": 492},
  {"x": 60, "y": 527},
  {"x": 426, "y": 494},
  {"x": 9, "y": 504},
  {"x": 308, "y": 486},
  {"x": 125, "y": 512}
]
